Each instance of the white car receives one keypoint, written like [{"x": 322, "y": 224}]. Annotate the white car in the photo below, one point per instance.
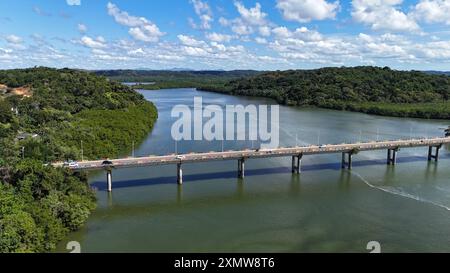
[
  {"x": 71, "y": 164},
  {"x": 180, "y": 157}
]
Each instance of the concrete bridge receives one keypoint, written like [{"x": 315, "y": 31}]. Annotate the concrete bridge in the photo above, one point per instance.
[{"x": 297, "y": 153}]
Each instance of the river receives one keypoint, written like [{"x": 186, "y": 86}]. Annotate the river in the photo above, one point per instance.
[{"x": 406, "y": 208}]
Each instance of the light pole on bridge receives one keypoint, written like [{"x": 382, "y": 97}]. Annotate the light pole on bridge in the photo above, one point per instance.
[{"x": 82, "y": 152}]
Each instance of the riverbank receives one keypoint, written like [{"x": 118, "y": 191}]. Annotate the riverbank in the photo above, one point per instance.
[
  {"x": 324, "y": 209},
  {"x": 371, "y": 90},
  {"x": 67, "y": 114}
]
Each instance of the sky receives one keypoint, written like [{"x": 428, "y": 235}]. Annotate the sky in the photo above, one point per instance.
[{"x": 225, "y": 34}]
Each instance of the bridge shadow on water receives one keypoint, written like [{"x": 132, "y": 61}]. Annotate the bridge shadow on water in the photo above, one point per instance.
[{"x": 101, "y": 185}]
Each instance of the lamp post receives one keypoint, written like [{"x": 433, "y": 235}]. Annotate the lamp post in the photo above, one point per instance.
[{"x": 82, "y": 153}]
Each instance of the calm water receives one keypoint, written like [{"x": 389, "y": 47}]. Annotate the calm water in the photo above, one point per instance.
[{"x": 325, "y": 209}]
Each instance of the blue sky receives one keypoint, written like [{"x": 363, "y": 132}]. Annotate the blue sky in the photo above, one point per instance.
[{"x": 225, "y": 34}]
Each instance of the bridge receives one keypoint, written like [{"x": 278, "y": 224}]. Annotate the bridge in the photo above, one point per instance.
[{"x": 297, "y": 153}]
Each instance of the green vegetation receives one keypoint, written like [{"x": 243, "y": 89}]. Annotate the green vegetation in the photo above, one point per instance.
[
  {"x": 154, "y": 80},
  {"x": 373, "y": 90},
  {"x": 40, "y": 204}
]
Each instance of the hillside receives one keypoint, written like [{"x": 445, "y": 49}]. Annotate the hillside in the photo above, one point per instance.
[
  {"x": 48, "y": 115},
  {"x": 372, "y": 90},
  {"x": 162, "y": 79},
  {"x": 57, "y": 110}
]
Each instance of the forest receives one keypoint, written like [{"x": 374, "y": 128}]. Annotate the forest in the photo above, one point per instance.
[
  {"x": 373, "y": 90},
  {"x": 154, "y": 79},
  {"x": 49, "y": 115}
]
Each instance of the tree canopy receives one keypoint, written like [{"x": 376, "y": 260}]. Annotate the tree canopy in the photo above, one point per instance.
[
  {"x": 368, "y": 89},
  {"x": 63, "y": 108}
]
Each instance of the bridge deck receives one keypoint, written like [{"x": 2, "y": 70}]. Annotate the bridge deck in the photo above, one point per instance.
[{"x": 263, "y": 153}]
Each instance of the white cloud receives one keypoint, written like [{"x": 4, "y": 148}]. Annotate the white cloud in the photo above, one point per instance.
[
  {"x": 239, "y": 27},
  {"x": 253, "y": 16},
  {"x": 146, "y": 33},
  {"x": 140, "y": 28},
  {"x": 217, "y": 37},
  {"x": 204, "y": 12},
  {"x": 189, "y": 41},
  {"x": 250, "y": 20},
  {"x": 383, "y": 15},
  {"x": 136, "y": 52},
  {"x": 6, "y": 50},
  {"x": 13, "y": 39},
  {"x": 224, "y": 22},
  {"x": 82, "y": 28},
  {"x": 433, "y": 11},
  {"x": 261, "y": 40},
  {"x": 73, "y": 2},
  {"x": 307, "y": 10},
  {"x": 97, "y": 43},
  {"x": 265, "y": 31},
  {"x": 281, "y": 32}
]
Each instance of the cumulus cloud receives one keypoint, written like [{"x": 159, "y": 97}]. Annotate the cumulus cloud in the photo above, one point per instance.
[
  {"x": 307, "y": 10},
  {"x": 433, "y": 11},
  {"x": 13, "y": 39},
  {"x": 253, "y": 16},
  {"x": 140, "y": 28},
  {"x": 204, "y": 13},
  {"x": 96, "y": 43},
  {"x": 251, "y": 19},
  {"x": 73, "y": 2},
  {"x": 261, "y": 40},
  {"x": 189, "y": 41},
  {"x": 383, "y": 15},
  {"x": 224, "y": 22},
  {"x": 217, "y": 37}
]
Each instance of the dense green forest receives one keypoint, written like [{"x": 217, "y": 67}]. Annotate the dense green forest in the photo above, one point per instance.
[
  {"x": 373, "y": 90},
  {"x": 154, "y": 80},
  {"x": 47, "y": 115}
]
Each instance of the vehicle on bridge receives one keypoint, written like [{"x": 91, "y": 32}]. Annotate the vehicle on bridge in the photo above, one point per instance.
[
  {"x": 71, "y": 164},
  {"x": 107, "y": 163}
]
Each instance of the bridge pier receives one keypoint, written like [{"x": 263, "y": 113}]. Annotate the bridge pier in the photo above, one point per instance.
[
  {"x": 179, "y": 174},
  {"x": 436, "y": 154},
  {"x": 296, "y": 163},
  {"x": 109, "y": 180},
  {"x": 347, "y": 163},
  {"x": 392, "y": 156},
  {"x": 241, "y": 168}
]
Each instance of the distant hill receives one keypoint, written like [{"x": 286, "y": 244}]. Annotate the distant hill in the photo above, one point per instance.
[
  {"x": 367, "y": 89},
  {"x": 176, "y": 79},
  {"x": 151, "y": 75},
  {"x": 433, "y": 72}
]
